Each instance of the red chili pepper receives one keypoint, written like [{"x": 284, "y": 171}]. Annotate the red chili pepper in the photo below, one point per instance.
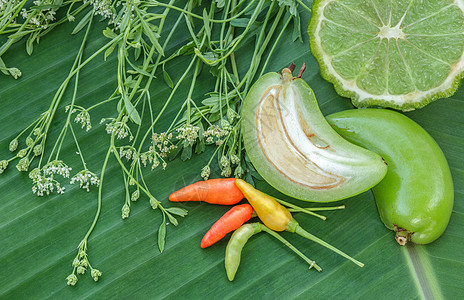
[
  {"x": 230, "y": 221},
  {"x": 214, "y": 191}
]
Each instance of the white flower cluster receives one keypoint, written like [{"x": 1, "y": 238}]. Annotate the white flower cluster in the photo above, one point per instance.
[
  {"x": 85, "y": 178},
  {"x": 119, "y": 128},
  {"x": 43, "y": 181},
  {"x": 214, "y": 132},
  {"x": 40, "y": 18},
  {"x": 42, "y": 185},
  {"x": 57, "y": 167},
  {"x": 162, "y": 141},
  {"x": 188, "y": 133},
  {"x": 4, "y": 5},
  {"x": 153, "y": 157},
  {"x": 84, "y": 119},
  {"x": 103, "y": 8},
  {"x": 128, "y": 152}
]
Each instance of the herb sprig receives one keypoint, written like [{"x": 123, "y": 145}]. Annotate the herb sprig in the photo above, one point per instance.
[{"x": 144, "y": 49}]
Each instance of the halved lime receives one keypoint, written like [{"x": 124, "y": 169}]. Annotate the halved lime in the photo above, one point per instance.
[{"x": 391, "y": 53}]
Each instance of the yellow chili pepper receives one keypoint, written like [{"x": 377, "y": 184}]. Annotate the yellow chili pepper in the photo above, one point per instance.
[
  {"x": 272, "y": 213},
  {"x": 278, "y": 218}
]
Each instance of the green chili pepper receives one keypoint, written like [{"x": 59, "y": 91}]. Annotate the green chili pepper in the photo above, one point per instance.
[
  {"x": 235, "y": 246},
  {"x": 239, "y": 239},
  {"x": 415, "y": 199}
]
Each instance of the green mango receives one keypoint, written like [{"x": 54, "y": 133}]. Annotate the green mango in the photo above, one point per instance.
[
  {"x": 294, "y": 149},
  {"x": 415, "y": 199}
]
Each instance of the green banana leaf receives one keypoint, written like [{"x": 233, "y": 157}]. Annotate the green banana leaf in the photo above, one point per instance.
[{"x": 39, "y": 235}]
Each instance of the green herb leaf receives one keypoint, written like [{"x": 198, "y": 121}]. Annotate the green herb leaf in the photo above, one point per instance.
[
  {"x": 152, "y": 36},
  {"x": 207, "y": 25},
  {"x": 131, "y": 111},
  {"x": 296, "y": 35},
  {"x": 240, "y": 22},
  {"x": 177, "y": 211},
  {"x": 84, "y": 21},
  {"x": 186, "y": 152},
  {"x": 172, "y": 219},
  {"x": 109, "y": 33},
  {"x": 167, "y": 79},
  {"x": 162, "y": 236}
]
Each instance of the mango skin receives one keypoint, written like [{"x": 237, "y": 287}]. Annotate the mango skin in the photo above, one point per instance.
[{"x": 417, "y": 193}]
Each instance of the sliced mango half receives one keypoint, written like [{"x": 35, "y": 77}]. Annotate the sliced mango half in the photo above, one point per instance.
[{"x": 294, "y": 149}]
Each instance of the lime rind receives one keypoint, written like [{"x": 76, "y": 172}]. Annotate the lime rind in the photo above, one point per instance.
[{"x": 361, "y": 98}]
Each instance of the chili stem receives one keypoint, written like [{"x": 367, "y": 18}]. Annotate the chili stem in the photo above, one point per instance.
[
  {"x": 317, "y": 208},
  {"x": 298, "y": 230},
  {"x": 311, "y": 263},
  {"x": 299, "y": 209}
]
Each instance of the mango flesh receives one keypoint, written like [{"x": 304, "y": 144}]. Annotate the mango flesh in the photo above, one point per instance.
[{"x": 295, "y": 150}]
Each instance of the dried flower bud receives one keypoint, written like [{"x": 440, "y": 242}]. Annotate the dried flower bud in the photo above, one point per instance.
[
  {"x": 72, "y": 279},
  {"x": 226, "y": 171},
  {"x": 3, "y": 166},
  {"x": 225, "y": 162},
  {"x": 76, "y": 263},
  {"x": 13, "y": 145},
  {"x": 23, "y": 164},
  {"x": 80, "y": 270},
  {"x": 238, "y": 172},
  {"x": 29, "y": 141},
  {"x": 205, "y": 172},
  {"x": 135, "y": 195},
  {"x": 234, "y": 159},
  {"x": 125, "y": 211},
  {"x": 37, "y": 150},
  {"x": 22, "y": 153},
  {"x": 154, "y": 203},
  {"x": 95, "y": 274},
  {"x": 231, "y": 114}
]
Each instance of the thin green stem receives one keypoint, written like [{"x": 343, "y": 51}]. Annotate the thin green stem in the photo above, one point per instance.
[
  {"x": 78, "y": 147},
  {"x": 299, "y": 209},
  {"x": 311, "y": 263}
]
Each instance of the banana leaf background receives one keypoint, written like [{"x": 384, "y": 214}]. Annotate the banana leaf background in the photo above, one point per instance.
[{"x": 39, "y": 235}]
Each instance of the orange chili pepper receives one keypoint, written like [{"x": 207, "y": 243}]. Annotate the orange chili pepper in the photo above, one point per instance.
[
  {"x": 230, "y": 221},
  {"x": 214, "y": 191},
  {"x": 277, "y": 217}
]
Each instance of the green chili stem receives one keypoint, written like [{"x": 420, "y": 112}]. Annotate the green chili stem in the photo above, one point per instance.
[
  {"x": 293, "y": 226},
  {"x": 300, "y": 209},
  {"x": 311, "y": 263}
]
